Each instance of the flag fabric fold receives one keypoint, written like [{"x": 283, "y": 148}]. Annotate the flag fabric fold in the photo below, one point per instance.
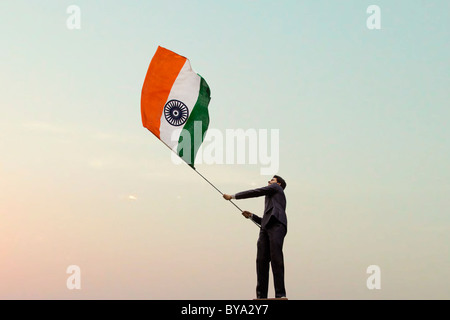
[{"x": 174, "y": 103}]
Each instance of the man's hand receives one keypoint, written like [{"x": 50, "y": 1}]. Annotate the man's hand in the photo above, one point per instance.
[
  {"x": 247, "y": 214},
  {"x": 227, "y": 197}
]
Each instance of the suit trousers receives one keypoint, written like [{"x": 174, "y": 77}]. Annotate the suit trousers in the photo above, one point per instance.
[{"x": 270, "y": 252}]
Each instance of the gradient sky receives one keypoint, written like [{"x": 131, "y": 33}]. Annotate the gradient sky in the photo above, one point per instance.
[{"x": 364, "y": 126}]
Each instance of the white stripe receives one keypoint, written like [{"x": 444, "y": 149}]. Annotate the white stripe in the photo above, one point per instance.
[{"x": 185, "y": 89}]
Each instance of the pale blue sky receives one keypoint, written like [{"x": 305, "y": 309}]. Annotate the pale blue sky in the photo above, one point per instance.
[{"x": 363, "y": 118}]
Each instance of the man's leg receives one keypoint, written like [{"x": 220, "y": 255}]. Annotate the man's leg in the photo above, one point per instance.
[
  {"x": 277, "y": 232},
  {"x": 262, "y": 265}
]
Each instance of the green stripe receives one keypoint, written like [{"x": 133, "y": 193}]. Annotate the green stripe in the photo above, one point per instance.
[{"x": 199, "y": 114}]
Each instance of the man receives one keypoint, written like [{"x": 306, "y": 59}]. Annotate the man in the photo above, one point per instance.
[{"x": 271, "y": 237}]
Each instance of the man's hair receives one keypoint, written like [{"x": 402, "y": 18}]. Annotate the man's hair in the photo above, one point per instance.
[{"x": 281, "y": 180}]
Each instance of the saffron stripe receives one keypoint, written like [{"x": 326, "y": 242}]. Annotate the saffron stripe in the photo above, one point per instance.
[{"x": 162, "y": 73}]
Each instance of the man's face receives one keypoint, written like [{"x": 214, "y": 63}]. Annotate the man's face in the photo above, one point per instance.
[{"x": 274, "y": 180}]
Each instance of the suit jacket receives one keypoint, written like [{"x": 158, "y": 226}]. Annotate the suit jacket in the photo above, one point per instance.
[{"x": 275, "y": 203}]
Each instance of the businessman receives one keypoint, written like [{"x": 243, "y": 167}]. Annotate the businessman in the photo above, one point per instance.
[{"x": 271, "y": 236}]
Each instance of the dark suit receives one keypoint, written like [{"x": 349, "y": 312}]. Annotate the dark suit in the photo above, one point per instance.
[{"x": 271, "y": 237}]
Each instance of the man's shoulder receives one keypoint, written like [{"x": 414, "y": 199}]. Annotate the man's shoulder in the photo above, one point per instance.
[{"x": 276, "y": 186}]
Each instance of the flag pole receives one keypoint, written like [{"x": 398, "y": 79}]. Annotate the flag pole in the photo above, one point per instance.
[
  {"x": 220, "y": 192},
  {"x": 193, "y": 168},
  {"x": 215, "y": 187}
]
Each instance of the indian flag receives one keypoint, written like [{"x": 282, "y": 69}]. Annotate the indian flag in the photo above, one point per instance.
[{"x": 174, "y": 103}]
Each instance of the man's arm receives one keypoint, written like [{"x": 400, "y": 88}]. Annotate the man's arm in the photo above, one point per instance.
[
  {"x": 246, "y": 214},
  {"x": 228, "y": 196},
  {"x": 254, "y": 193},
  {"x": 252, "y": 216},
  {"x": 264, "y": 191}
]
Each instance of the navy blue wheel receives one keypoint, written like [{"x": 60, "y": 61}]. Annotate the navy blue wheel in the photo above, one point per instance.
[{"x": 176, "y": 112}]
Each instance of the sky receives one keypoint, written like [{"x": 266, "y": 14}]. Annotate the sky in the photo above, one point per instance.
[{"x": 363, "y": 122}]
